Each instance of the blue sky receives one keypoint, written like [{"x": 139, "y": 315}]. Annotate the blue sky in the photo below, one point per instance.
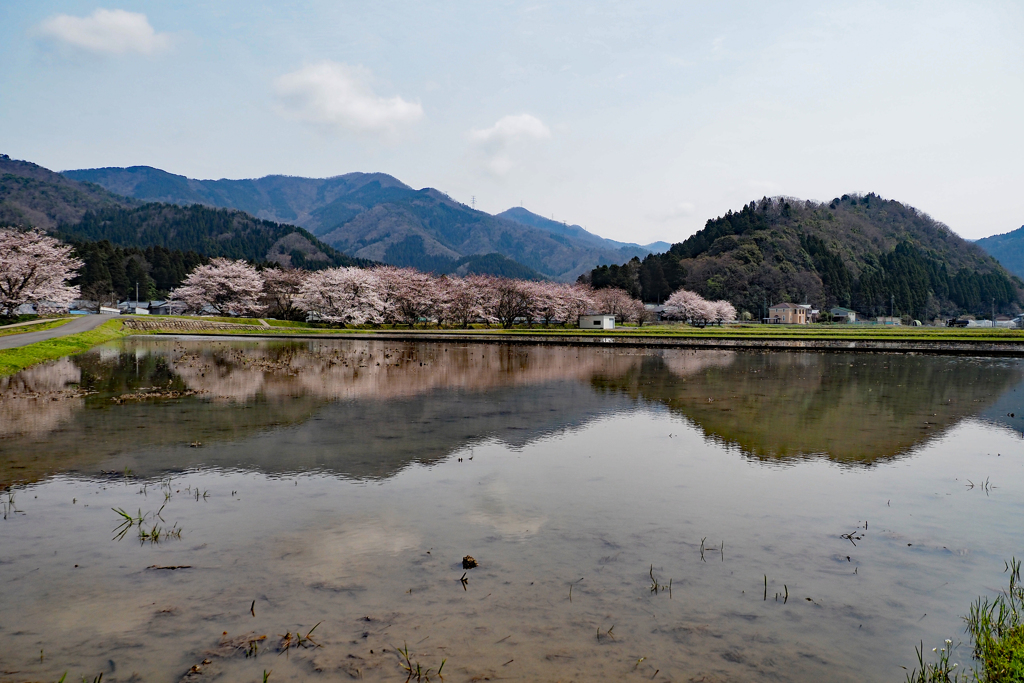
[{"x": 639, "y": 120}]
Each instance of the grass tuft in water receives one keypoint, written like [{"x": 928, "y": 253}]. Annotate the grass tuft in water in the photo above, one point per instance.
[
  {"x": 997, "y": 629},
  {"x": 940, "y": 672}
]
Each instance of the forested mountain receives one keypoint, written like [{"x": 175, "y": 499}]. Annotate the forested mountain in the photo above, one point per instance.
[
  {"x": 111, "y": 273},
  {"x": 627, "y": 249},
  {"x": 374, "y": 216},
  {"x": 1008, "y": 249},
  {"x": 206, "y": 231},
  {"x": 862, "y": 252},
  {"x": 31, "y": 195}
]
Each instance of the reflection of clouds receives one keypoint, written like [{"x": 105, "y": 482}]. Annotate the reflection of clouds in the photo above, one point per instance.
[
  {"x": 356, "y": 369},
  {"x": 39, "y": 399},
  {"x": 493, "y": 508},
  {"x": 334, "y": 554}
]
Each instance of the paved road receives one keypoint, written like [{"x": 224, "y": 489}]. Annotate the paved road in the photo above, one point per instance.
[{"x": 82, "y": 323}]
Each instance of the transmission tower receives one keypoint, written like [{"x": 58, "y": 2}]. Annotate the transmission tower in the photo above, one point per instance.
[{"x": 472, "y": 202}]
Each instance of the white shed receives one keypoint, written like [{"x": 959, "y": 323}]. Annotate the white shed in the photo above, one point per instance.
[{"x": 597, "y": 322}]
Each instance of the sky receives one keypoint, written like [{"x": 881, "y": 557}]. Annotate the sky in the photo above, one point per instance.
[{"x": 637, "y": 120}]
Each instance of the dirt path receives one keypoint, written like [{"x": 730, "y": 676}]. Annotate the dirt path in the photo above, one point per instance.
[{"x": 82, "y": 323}]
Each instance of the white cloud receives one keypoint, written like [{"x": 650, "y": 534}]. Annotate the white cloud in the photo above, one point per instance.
[
  {"x": 496, "y": 142},
  {"x": 512, "y": 127},
  {"x": 106, "y": 31},
  {"x": 337, "y": 95}
]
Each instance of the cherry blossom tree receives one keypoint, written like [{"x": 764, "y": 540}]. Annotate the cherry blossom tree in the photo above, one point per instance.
[
  {"x": 412, "y": 294},
  {"x": 637, "y": 313},
  {"x": 232, "y": 287},
  {"x": 689, "y": 306},
  {"x": 510, "y": 300},
  {"x": 35, "y": 268},
  {"x": 460, "y": 300},
  {"x": 723, "y": 312},
  {"x": 350, "y": 296},
  {"x": 577, "y": 300},
  {"x": 281, "y": 292},
  {"x": 613, "y": 301}
]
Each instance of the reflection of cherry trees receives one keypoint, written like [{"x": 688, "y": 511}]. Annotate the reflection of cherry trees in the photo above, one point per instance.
[
  {"x": 39, "y": 399},
  {"x": 34, "y": 269},
  {"x": 331, "y": 370}
]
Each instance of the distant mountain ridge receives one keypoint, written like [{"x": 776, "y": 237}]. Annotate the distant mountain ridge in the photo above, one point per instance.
[
  {"x": 1007, "y": 248},
  {"x": 375, "y": 216},
  {"x": 33, "y": 196},
  {"x": 526, "y": 217},
  {"x": 278, "y": 198}
]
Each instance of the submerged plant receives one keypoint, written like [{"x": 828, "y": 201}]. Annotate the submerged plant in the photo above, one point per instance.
[
  {"x": 415, "y": 670},
  {"x": 295, "y": 640},
  {"x": 8, "y": 505}
]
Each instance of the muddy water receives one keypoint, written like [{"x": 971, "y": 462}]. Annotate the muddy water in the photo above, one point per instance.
[{"x": 636, "y": 515}]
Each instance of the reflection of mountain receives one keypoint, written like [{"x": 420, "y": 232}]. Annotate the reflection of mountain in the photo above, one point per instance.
[
  {"x": 849, "y": 407},
  {"x": 368, "y": 409}
]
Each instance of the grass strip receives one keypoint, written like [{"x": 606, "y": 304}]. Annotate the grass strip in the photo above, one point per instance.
[
  {"x": 38, "y": 327},
  {"x": 15, "y": 360}
]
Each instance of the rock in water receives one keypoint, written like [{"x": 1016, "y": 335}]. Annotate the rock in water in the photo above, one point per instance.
[{"x": 468, "y": 562}]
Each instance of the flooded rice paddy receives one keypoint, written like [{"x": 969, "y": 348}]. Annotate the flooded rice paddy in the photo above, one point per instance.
[{"x": 636, "y": 515}]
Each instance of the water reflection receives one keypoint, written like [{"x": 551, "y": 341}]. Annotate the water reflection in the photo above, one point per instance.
[
  {"x": 367, "y": 409},
  {"x": 597, "y": 469}
]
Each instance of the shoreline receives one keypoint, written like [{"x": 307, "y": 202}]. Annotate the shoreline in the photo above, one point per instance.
[{"x": 939, "y": 347}]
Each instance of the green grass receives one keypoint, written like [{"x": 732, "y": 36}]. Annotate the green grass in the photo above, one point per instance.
[
  {"x": 38, "y": 327},
  {"x": 14, "y": 360},
  {"x": 997, "y": 629}
]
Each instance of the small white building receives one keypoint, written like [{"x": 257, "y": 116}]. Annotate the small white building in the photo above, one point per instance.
[{"x": 597, "y": 322}]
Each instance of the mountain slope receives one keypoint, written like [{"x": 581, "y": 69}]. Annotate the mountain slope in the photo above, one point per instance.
[
  {"x": 33, "y": 195},
  {"x": 863, "y": 252},
  {"x": 628, "y": 249},
  {"x": 1008, "y": 249},
  {"x": 375, "y": 216},
  {"x": 278, "y": 198},
  {"x": 206, "y": 231}
]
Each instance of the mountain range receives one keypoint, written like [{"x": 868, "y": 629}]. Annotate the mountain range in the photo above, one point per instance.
[
  {"x": 1007, "y": 248},
  {"x": 375, "y": 216}
]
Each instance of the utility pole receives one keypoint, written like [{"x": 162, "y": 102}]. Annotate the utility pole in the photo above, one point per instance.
[
  {"x": 892, "y": 306},
  {"x": 136, "y": 293},
  {"x": 993, "y": 311}
]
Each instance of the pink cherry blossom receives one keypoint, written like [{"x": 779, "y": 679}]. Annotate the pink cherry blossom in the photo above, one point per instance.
[
  {"x": 232, "y": 287},
  {"x": 35, "y": 268}
]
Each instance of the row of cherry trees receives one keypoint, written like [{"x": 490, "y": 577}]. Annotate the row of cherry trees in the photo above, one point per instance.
[
  {"x": 696, "y": 310},
  {"x": 388, "y": 295},
  {"x": 35, "y": 268}
]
